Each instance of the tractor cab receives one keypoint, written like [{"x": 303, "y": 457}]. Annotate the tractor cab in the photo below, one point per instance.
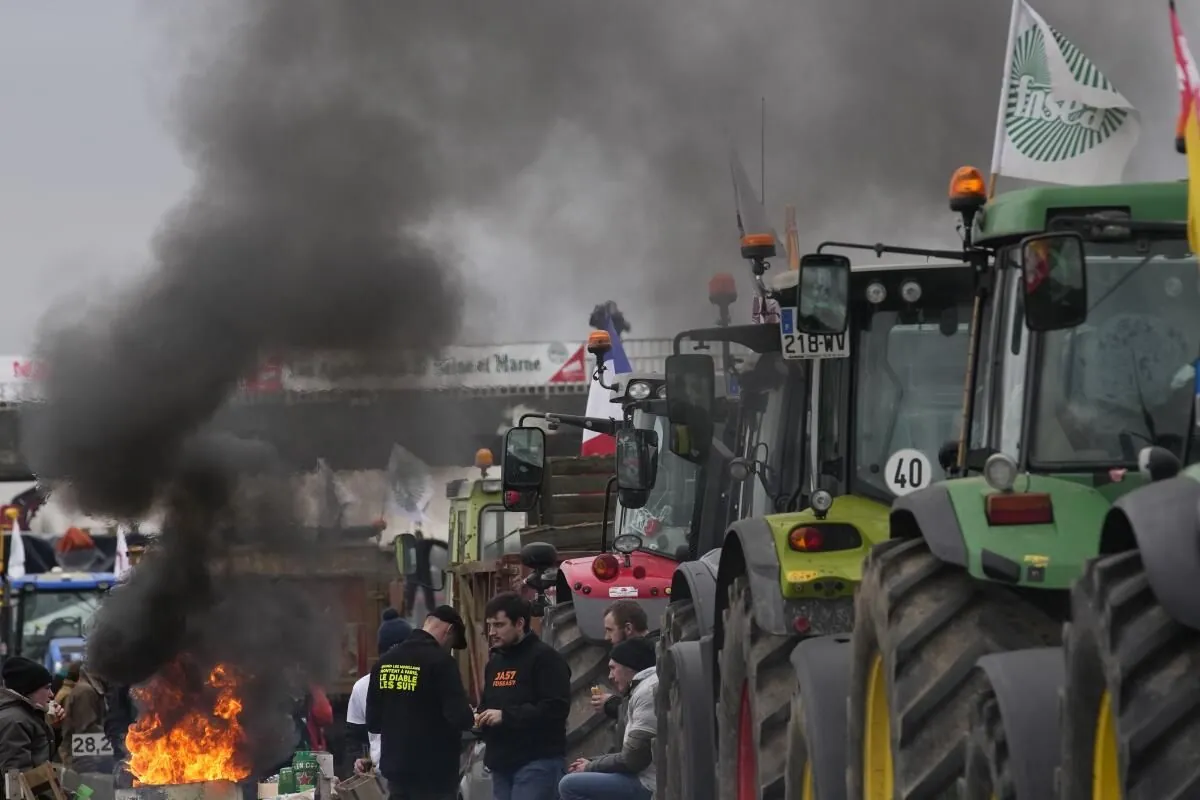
[{"x": 480, "y": 527}]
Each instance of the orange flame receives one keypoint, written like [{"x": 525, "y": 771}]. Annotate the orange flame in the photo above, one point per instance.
[{"x": 173, "y": 743}]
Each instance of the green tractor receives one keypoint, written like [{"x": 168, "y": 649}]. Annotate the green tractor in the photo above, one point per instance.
[
  {"x": 883, "y": 350},
  {"x": 1084, "y": 334}
]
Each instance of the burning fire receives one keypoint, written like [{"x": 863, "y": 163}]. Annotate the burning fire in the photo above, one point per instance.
[{"x": 175, "y": 740}]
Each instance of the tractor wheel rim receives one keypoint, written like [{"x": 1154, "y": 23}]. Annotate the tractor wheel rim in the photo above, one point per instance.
[
  {"x": 1106, "y": 771},
  {"x": 878, "y": 777},
  {"x": 807, "y": 792},
  {"x": 747, "y": 756}
]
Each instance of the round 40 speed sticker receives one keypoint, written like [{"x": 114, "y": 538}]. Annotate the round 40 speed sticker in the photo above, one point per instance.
[{"x": 906, "y": 471}]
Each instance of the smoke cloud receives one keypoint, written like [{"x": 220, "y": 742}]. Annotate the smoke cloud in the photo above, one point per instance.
[
  {"x": 582, "y": 146},
  {"x": 347, "y": 156},
  {"x": 296, "y": 235}
]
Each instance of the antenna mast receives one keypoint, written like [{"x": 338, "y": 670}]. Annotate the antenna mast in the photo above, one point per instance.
[{"x": 762, "y": 152}]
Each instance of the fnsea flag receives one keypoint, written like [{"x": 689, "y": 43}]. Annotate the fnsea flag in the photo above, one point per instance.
[{"x": 1060, "y": 119}]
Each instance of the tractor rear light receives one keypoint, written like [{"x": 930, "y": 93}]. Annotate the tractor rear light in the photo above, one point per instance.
[
  {"x": 806, "y": 539},
  {"x": 800, "y": 625},
  {"x": 1019, "y": 509},
  {"x": 605, "y": 567}
]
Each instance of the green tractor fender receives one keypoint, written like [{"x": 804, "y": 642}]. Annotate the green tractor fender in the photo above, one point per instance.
[
  {"x": 929, "y": 513},
  {"x": 1161, "y": 521},
  {"x": 952, "y": 518},
  {"x": 749, "y": 549}
]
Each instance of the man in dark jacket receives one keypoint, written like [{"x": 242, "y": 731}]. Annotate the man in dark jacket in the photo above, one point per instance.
[
  {"x": 26, "y": 738},
  {"x": 362, "y": 748},
  {"x": 119, "y": 714},
  {"x": 417, "y": 704},
  {"x": 524, "y": 708}
]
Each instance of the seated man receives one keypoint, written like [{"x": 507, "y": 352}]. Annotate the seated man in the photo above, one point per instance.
[{"x": 629, "y": 773}]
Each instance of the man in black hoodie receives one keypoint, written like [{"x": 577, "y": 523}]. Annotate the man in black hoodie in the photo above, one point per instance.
[
  {"x": 417, "y": 704},
  {"x": 524, "y": 708}
]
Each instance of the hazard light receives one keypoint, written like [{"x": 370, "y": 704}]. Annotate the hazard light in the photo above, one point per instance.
[
  {"x": 722, "y": 290},
  {"x": 758, "y": 246},
  {"x": 968, "y": 191},
  {"x": 484, "y": 458},
  {"x": 599, "y": 343}
]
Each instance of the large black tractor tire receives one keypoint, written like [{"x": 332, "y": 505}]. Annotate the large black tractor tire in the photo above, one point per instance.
[
  {"x": 679, "y": 624},
  {"x": 683, "y": 702},
  {"x": 816, "y": 756},
  {"x": 1122, "y": 645},
  {"x": 920, "y": 626},
  {"x": 589, "y": 733},
  {"x": 754, "y": 670},
  {"x": 1012, "y": 749}
]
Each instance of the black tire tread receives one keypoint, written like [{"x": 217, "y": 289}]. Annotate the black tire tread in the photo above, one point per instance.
[
  {"x": 763, "y": 659},
  {"x": 588, "y": 732},
  {"x": 679, "y": 624},
  {"x": 671, "y": 762},
  {"x": 987, "y": 770},
  {"x": 931, "y": 621},
  {"x": 1121, "y": 638}
]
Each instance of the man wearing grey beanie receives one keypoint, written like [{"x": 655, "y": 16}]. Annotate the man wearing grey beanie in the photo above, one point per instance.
[{"x": 629, "y": 773}]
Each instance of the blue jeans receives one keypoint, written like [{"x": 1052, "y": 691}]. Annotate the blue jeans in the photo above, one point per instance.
[
  {"x": 537, "y": 780},
  {"x": 602, "y": 786}
]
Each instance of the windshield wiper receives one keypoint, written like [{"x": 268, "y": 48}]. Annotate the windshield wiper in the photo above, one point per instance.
[{"x": 1120, "y": 281}]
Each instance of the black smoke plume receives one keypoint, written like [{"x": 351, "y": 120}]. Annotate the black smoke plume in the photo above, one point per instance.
[{"x": 296, "y": 235}]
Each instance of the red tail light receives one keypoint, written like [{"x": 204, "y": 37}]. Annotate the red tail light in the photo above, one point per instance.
[
  {"x": 805, "y": 539},
  {"x": 1019, "y": 509},
  {"x": 605, "y": 567}
]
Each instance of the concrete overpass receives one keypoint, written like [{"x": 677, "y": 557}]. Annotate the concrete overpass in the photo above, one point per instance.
[{"x": 350, "y": 413}]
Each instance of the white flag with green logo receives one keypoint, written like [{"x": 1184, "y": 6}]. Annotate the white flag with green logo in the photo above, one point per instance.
[{"x": 1060, "y": 119}]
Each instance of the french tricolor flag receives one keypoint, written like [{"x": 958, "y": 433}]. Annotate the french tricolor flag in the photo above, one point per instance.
[{"x": 600, "y": 404}]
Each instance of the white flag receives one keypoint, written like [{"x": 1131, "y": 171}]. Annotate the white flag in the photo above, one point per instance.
[
  {"x": 1060, "y": 120},
  {"x": 16, "y": 558}
]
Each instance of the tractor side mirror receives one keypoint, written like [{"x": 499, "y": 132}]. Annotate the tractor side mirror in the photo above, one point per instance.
[
  {"x": 824, "y": 294},
  {"x": 637, "y": 459},
  {"x": 691, "y": 397},
  {"x": 1055, "y": 283},
  {"x": 524, "y": 461}
]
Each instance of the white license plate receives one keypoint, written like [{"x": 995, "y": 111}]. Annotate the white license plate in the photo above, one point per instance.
[
  {"x": 90, "y": 744},
  {"x": 797, "y": 345}
]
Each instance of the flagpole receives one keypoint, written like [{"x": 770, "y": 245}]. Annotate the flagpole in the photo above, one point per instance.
[{"x": 998, "y": 143}]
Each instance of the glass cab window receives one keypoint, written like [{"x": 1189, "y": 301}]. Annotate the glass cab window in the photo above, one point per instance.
[
  {"x": 910, "y": 363},
  {"x": 1124, "y": 378},
  {"x": 665, "y": 522}
]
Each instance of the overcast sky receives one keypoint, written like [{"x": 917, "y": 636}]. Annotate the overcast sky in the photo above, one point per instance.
[{"x": 87, "y": 165}]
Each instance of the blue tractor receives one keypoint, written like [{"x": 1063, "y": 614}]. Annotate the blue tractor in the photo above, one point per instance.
[{"x": 48, "y": 615}]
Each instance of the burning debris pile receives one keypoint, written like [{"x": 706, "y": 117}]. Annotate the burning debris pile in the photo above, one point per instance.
[{"x": 294, "y": 237}]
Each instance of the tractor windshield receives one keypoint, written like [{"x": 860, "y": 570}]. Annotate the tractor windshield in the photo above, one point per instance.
[
  {"x": 1124, "y": 379},
  {"x": 910, "y": 369},
  {"x": 665, "y": 522},
  {"x": 45, "y": 616}
]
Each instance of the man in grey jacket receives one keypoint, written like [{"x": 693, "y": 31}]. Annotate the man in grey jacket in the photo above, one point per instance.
[{"x": 630, "y": 772}]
